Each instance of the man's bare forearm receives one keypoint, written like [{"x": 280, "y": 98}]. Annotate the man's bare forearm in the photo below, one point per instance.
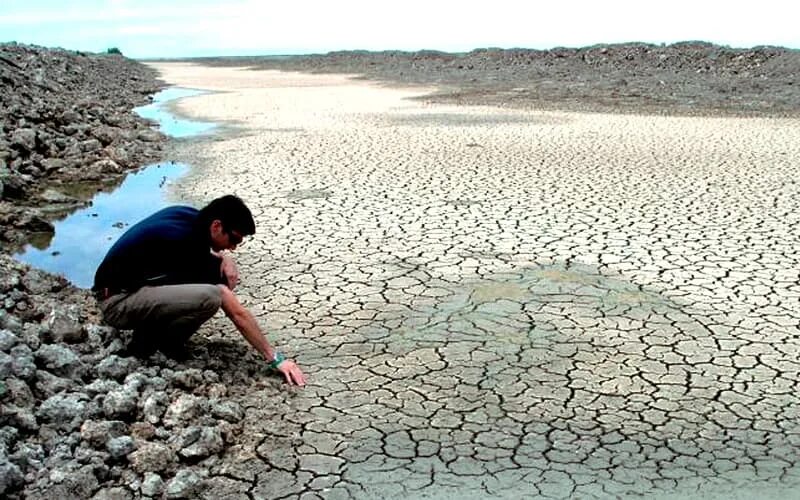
[{"x": 246, "y": 323}]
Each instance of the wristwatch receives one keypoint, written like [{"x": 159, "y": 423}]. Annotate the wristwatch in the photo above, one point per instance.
[{"x": 279, "y": 358}]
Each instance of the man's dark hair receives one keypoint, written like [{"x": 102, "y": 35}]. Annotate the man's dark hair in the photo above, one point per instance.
[{"x": 232, "y": 212}]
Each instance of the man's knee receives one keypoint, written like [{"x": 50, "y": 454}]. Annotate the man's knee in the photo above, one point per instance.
[
  {"x": 157, "y": 305},
  {"x": 230, "y": 303},
  {"x": 205, "y": 301},
  {"x": 210, "y": 299}
]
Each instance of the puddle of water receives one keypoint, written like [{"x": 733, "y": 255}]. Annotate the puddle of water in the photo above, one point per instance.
[
  {"x": 83, "y": 238},
  {"x": 168, "y": 123}
]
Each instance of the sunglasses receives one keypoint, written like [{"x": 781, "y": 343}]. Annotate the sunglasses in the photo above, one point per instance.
[{"x": 234, "y": 237}]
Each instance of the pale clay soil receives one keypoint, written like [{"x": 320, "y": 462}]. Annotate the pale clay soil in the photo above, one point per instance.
[{"x": 499, "y": 303}]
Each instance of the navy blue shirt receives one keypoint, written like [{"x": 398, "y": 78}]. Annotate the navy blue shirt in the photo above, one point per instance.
[{"x": 167, "y": 248}]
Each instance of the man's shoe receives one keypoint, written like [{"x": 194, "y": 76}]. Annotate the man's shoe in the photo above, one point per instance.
[
  {"x": 177, "y": 351},
  {"x": 140, "y": 347}
]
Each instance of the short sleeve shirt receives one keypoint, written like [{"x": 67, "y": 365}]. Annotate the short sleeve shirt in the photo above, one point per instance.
[{"x": 166, "y": 248}]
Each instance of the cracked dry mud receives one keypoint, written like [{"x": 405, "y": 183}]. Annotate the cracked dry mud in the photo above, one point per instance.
[{"x": 506, "y": 304}]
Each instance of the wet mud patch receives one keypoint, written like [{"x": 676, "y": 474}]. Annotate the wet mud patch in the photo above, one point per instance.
[
  {"x": 472, "y": 119},
  {"x": 513, "y": 309},
  {"x": 557, "y": 382},
  {"x": 308, "y": 194},
  {"x": 463, "y": 203}
]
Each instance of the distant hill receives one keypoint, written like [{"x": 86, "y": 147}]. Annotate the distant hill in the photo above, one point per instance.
[{"x": 683, "y": 78}]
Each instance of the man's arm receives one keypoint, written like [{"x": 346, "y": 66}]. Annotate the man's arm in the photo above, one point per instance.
[
  {"x": 248, "y": 326},
  {"x": 227, "y": 269}
]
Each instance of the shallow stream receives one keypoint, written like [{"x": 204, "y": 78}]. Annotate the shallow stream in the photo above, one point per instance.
[{"x": 82, "y": 238}]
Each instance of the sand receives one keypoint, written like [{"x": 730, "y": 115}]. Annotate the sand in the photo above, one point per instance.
[{"x": 505, "y": 302}]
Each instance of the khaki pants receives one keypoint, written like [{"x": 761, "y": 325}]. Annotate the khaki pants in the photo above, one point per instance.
[{"x": 170, "y": 313}]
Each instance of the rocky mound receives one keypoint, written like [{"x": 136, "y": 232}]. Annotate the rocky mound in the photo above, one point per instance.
[
  {"x": 79, "y": 418},
  {"x": 682, "y": 78},
  {"x": 66, "y": 119}
]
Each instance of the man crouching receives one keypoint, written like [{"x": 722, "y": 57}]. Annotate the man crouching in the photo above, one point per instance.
[{"x": 167, "y": 275}]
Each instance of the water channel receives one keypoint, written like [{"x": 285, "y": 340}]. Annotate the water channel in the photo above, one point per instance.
[{"x": 82, "y": 238}]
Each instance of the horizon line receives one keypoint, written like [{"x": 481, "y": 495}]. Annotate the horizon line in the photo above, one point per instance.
[{"x": 310, "y": 52}]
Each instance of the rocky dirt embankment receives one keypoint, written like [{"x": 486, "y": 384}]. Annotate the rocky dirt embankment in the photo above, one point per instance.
[
  {"x": 66, "y": 119},
  {"x": 81, "y": 419},
  {"x": 683, "y": 78}
]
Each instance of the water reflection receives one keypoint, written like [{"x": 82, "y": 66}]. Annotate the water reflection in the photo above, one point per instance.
[
  {"x": 83, "y": 238},
  {"x": 168, "y": 123}
]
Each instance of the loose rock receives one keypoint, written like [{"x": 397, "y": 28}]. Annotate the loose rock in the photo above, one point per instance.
[
  {"x": 118, "y": 447},
  {"x": 185, "y": 484},
  {"x": 152, "y": 485},
  {"x": 153, "y": 457}
]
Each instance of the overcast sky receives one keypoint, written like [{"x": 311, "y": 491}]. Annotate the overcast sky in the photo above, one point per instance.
[{"x": 172, "y": 28}]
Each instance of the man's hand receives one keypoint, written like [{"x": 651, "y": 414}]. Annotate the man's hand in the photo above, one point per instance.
[
  {"x": 292, "y": 373},
  {"x": 248, "y": 326},
  {"x": 229, "y": 270}
]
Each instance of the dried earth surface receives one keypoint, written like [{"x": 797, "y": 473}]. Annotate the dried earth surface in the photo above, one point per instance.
[
  {"x": 508, "y": 303},
  {"x": 496, "y": 300}
]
